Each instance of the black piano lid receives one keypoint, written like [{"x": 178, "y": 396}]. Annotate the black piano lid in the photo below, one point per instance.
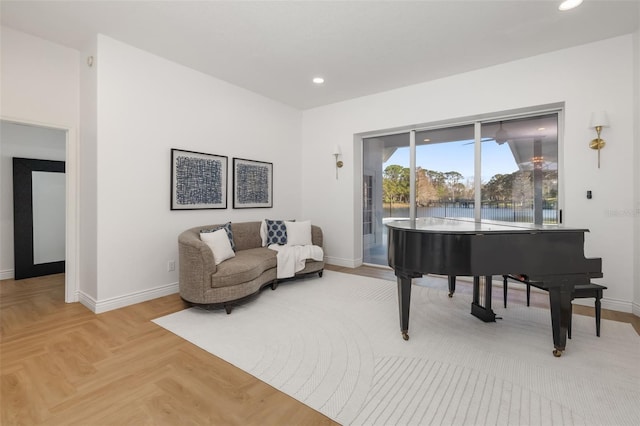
[{"x": 465, "y": 225}]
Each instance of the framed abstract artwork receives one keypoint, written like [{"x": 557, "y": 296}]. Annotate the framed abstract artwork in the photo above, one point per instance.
[
  {"x": 198, "y": 180},
  {"x": 252, "y": 184}
]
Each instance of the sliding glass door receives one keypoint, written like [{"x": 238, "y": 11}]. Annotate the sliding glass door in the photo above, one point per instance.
[
  {"x": 503, "y": 170},
  {"x": 385, "y": 191},
  {"x": 520, "y": 170},
  {"x": 445, "y": 172}
]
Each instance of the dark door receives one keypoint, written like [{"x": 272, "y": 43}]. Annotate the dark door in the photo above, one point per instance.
[{"x": 23, "y": 218}]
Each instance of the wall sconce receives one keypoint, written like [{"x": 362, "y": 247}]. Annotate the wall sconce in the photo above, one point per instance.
[
  {"x": 337, "y": 152},
  {"x": 598, "y": 121}
]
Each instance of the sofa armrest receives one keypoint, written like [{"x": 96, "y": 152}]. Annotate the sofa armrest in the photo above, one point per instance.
[
  {"x": 316, "y": 236},
  {"x": 196, "y": 265}
]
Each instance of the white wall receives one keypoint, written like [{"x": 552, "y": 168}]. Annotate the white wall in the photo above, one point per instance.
[
  {"x": 587, "y": 78},
  {"x": 87, "y": 165},
  {"x": 39, "y": 79},
  {"x": 146, "y": 106},
  {"x": 22, "y": 141}
]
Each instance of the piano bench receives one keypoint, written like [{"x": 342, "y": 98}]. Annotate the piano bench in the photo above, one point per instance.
[{"x": 580, "y": 291}]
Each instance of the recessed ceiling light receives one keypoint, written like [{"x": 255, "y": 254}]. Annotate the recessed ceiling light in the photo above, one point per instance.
[
  {"x": 540, "y": 129},
  {"x": 569, "y": 4},
  {"x": 427, "y": 140},
  {"x": 318, "y": 80}
]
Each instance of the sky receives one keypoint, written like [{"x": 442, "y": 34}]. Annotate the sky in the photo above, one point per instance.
[{"x": 458, "y": 157}]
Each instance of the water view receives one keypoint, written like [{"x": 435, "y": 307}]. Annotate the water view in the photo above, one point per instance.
[{"x": 507, "y": 214}]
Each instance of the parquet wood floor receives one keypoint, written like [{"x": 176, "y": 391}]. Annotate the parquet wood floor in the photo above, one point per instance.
[{"x": 60, "y": 364}]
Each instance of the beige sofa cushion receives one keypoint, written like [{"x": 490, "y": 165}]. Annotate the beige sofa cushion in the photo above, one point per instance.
[{"x": 247, "y": 265}]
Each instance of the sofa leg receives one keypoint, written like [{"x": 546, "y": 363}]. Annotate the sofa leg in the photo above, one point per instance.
[
  {"x": 320, "y": 274},
  {"x": 228, "y": 308},
  {"x": 274, "y": 285}
]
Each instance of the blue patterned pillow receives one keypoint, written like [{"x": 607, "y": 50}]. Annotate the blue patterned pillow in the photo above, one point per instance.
[
  {"x": 227, "y": 228},
  {"x": 276, "y": 232}
]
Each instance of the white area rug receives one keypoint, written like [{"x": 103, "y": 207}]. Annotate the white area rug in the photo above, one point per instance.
[{"x": 334, "y": 344}]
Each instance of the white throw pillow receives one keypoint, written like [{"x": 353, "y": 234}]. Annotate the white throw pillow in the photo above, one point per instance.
[
  {"x": 220, "y": 245},
  {"x": 298, "y": 233},
  {"x": 263, "y": 232}
]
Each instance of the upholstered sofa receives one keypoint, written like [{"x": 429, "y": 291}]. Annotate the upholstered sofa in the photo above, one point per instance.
[{"x": 253, "y": 267}]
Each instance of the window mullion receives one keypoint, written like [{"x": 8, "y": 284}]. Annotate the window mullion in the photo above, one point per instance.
[
  {"x": 477, "y": 181},
  {"x": 412, "y": 175}
]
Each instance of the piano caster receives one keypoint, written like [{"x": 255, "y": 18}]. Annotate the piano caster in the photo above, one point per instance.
[
  {"x": 405, "y": 335},
  {"x": 450, "y": 294},
  {"x": 557, "y": 353}
]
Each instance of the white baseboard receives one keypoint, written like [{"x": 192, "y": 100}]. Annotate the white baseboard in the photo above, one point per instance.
[
  {"x": 7, "y": 274},
  {"x": 86, "y": 300},
  {"x": 100, "y": 306},
  {"x": 338, "y": 261}
]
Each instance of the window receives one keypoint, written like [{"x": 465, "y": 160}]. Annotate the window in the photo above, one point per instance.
[
  {"x": 520, "y": 170},
  {"x": 445, "y": 172},
  {"x": 513, "y": 176}
]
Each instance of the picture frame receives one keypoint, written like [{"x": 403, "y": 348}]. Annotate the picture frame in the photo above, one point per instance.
[
  {"x": 198, "y": 180},
  {"x": 252, "y": 184}
]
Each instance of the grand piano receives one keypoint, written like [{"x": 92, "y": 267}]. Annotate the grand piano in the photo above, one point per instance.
[{"x": 552, "y": 256}]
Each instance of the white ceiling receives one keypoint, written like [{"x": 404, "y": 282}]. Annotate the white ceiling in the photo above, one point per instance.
[{"x": 359, "y": 47}]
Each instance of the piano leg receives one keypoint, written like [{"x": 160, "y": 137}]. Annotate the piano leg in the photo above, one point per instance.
[
  {"x": 452, "y": 285},
  {"x": 560, "y": 305},
  {"x": 484, "y": 312},
  {"x": 404, "y": 302},
  {"x": 476, "y": 290}
]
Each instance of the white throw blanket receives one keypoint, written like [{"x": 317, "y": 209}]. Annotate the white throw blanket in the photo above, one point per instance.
[{"x": 291, "y": 259}]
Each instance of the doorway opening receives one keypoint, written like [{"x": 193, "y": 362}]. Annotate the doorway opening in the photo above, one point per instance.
[{"x": 41, "y": 141}]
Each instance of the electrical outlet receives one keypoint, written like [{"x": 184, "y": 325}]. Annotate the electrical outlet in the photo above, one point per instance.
[{"x": 171, "y": 266}]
